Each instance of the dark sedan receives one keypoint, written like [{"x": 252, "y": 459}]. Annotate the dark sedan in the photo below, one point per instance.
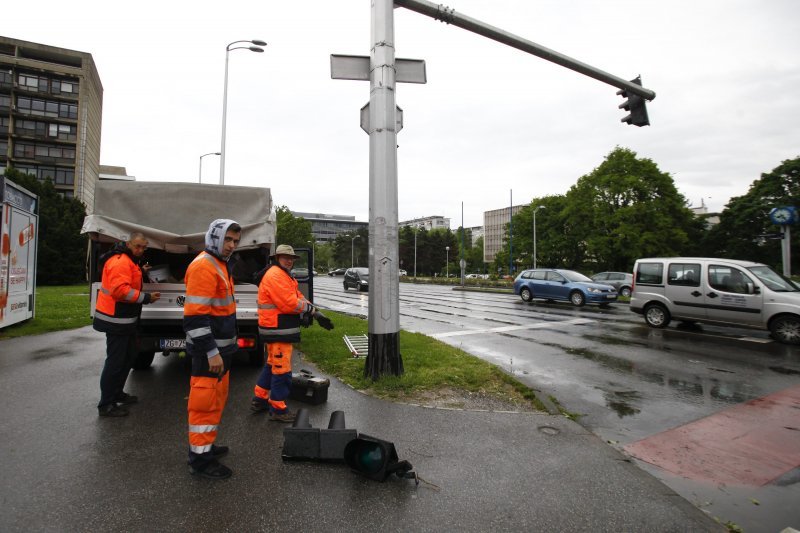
[
  {"x": 357, "y": 278},
  {"x": 337, "y": 272}
]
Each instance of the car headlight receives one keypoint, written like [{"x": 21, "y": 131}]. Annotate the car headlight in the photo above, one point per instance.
[
  {"x": 593, "y": 290},
  {"x": 363, "y": 282}
]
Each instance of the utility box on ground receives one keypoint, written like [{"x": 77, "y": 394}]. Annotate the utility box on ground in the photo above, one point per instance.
[{"x": 19, "y": 226}]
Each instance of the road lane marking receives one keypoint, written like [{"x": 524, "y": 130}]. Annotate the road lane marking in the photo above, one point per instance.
[{"x": 503, "y": 329}]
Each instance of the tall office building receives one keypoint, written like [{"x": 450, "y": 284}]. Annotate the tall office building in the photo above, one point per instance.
[
  {"x": 494, "y": 227},
  {"x": 325, "y": 227},
  {"x": 51, "y": 108}
]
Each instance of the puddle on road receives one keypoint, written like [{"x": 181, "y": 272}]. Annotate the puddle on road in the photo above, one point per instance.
[
  {"x": 689, "y": 387},
  {"x": 620, "y": 402}
]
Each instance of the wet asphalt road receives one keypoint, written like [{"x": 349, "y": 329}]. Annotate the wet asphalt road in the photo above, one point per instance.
[{"x": 626, "y": 381}]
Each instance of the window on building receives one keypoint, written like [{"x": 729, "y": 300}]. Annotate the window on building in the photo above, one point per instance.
[
  {"x": 65, "y": 176},
  {"x": 5, "y": 101}
]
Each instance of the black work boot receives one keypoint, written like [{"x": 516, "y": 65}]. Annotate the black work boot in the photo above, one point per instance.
[
  {"x": 126, "y": 399},
  {"x": 113, "y": 410},
  {"x": 218, "y": 451},
  {"x": 212, "y": 470}
]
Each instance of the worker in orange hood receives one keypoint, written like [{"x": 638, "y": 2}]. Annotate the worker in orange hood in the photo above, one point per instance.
[{"x": 209, "y": 320}]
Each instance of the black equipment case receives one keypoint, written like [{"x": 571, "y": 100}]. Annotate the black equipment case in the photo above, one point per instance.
[{"x": 308, "y": 388}]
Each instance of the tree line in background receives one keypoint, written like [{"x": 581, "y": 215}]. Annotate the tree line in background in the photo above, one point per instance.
[
  {"x": 627, "y": 208},
  {"x": 623, "y": 210}
]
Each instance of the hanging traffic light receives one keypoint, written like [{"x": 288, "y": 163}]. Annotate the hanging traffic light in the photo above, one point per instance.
[{"x": 635, "y": 105}]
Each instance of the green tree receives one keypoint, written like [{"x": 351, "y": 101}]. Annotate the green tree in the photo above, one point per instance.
[
  {"x": 292, "y": 230},
  {"x": 745, "y": 218},
  {"x": 351, "y": 249},
  {"x": 626, "y": 209},
  {"x": 61, "y": 252}
]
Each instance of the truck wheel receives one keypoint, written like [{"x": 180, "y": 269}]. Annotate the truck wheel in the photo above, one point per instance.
[
  {"x": 786, "y": 329},
  {"x": 525, "y": 294},
  {"x": 656, "y": 316},
  {"x": 143, "y": 360},
  {"x": 577, "y": 298}
]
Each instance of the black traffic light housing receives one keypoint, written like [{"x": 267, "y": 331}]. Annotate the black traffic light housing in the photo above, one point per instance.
[
  {"x": 376, "y": 459},
  {"x": 635, "y": 105}
]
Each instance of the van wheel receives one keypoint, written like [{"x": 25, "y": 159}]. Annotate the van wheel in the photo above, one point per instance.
[
  {"x": 786, "y": 329},
  {"x": 656, "y": 316},
  {"x": 526, "y": 294},
  {"x": 625, "y": 291},
  {"x": 577, "y": 299},
  {"x": 143, "y": 360}
]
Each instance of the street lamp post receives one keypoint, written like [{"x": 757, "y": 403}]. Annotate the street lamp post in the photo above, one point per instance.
[
  {"x": 416, "y": 229},
  {"x": 534, "y": 233},
  {"x": 228, "y": 49},
  {"x": 447, "y": 262},
  {"x": 352, "y": 247},
  {"x": 200, "y": 171},
  {"x": 313, "y": 254}
]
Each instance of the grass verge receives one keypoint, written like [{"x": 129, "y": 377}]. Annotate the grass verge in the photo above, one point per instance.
[
  {"x": 434, "y": 373},
  {"x": 57, "y": 308}
]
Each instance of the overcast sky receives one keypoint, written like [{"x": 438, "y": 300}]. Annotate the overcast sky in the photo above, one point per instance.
[{"x": 490, "y": 120}]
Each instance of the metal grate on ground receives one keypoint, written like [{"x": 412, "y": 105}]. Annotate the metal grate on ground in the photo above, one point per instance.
[{"x": 357, "y": 344}]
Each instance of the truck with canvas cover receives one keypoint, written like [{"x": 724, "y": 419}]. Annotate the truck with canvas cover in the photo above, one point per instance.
[{"x": 174, "y": 218}]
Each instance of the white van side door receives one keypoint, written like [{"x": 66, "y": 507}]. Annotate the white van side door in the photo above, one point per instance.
[
  {"x": 730, "y": 296},
  {"x": 685, "y": 291}
]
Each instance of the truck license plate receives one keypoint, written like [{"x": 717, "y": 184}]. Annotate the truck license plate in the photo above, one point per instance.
[{"x": 172, "y": 344}]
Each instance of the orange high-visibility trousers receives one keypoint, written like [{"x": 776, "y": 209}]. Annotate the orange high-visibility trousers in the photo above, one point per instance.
[
  {"x": 279, "y": 361},
  {"x": 207, "y": 399}
]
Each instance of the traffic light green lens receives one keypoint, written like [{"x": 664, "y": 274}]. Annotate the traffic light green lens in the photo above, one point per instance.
[{"x": 370, "y": 458}]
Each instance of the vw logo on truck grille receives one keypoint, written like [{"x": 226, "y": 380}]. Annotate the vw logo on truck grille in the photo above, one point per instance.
[{"x": 180, "y": 300}]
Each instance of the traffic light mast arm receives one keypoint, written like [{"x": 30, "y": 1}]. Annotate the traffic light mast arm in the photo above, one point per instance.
[{"x": 449, "y": 16}]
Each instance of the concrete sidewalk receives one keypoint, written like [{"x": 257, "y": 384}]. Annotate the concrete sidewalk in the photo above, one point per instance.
[{"x": 66, "y": 469}]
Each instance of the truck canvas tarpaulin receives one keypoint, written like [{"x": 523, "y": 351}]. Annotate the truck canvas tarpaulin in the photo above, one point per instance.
[
  {"x": 175, "y": 216},
  {"x": 19, "y": 227}
]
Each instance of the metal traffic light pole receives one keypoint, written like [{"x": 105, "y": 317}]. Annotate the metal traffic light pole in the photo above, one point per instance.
[
  {"x": 449, "y": 16},
  {"x": 382, "y": 119}
]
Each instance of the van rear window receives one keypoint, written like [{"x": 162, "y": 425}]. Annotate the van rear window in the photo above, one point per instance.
[{"x": 650, "y": 273}]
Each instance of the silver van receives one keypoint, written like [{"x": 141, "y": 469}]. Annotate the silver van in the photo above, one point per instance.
[{"x": 718, "y": 291}]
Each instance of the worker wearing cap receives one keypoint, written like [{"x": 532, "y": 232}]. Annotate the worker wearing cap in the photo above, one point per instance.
[
  {"x": 209, "y": 320},
  {"x": 280, "y": 307}
]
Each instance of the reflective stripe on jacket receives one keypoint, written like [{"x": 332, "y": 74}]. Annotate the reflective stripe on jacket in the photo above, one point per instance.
[
  {"x": 120, "y": 299},
  {"x": 209, "y": 311},
  {"x": 280, "y": 304}
]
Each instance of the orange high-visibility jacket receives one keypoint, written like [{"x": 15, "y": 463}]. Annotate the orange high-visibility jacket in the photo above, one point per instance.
[
  {"x": 120, "y": 300},
  {"x": 209, "y": 311},
  {"x": 280, "y": 304}
]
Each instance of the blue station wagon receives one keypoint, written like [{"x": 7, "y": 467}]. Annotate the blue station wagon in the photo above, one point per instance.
[{"x": 558, "y": 284}]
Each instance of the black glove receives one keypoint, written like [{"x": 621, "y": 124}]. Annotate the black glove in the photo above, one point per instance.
[
  {"x": 324, "y": 321},
  {"x": 305, "y": 319}
]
